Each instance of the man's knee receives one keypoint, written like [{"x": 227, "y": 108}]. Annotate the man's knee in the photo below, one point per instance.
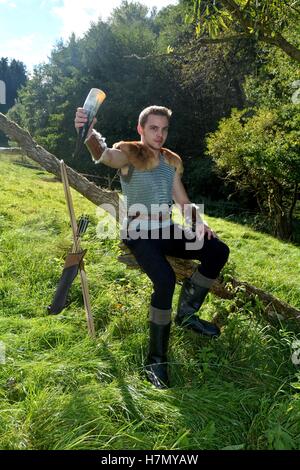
[
  {"x": 221, "y": 253},
  {"x": 224, "y": 251},
  {"x": 215, "y": 259}
]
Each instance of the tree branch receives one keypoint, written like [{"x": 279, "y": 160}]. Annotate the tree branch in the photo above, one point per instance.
[
  {"x": 274, "y": 308},
  {"x": 199, "y": 43},
  {"x": 279, "y": 41},
  {"x": 265, "y": 34},
  {"x": 50, "y": 163}
]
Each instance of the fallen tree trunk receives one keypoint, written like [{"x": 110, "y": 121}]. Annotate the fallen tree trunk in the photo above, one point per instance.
[
  {"x": 182, "y": 267},
  {"x": 99, "y": 196},
  {"x": 273, "y": 306},
  {"x": 51, "y": 163}
]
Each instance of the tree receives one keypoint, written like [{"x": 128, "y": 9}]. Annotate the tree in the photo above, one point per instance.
[
  {"x": 207, "y": 84},
  {"x": 264, "y": 20},
  {"x": 259, "y": 150},
  {"x": 14, "y": 75},
  {"x": 47, "y": 105}
]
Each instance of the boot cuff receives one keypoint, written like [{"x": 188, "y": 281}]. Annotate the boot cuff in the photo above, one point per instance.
[
  {"x": 159, "y": 316},
  {"x": 200, "y": 280}
]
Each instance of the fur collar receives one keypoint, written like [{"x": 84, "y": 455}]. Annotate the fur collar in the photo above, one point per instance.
[{"x": 142, "y": 158}]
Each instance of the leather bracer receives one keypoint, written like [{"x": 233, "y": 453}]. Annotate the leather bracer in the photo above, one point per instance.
[{"x": 96, "y": 145}]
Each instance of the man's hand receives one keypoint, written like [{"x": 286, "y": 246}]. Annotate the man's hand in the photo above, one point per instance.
[
  {"x": 209, "y": 232},
  {"x": 202, "y": 229},
  {"x": 80, "y": 120}
]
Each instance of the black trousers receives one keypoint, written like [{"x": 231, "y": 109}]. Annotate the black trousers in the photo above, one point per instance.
[{"x": 151, "y": 256}]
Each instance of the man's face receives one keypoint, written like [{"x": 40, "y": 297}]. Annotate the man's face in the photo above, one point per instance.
[{"x": 155, "y": 131}]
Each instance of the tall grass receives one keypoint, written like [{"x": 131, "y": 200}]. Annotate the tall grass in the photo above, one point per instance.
[{"x": 61, "y": 390}]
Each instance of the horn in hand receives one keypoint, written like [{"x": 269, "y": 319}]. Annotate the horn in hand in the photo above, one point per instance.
[{"x": 92, "y": 104}]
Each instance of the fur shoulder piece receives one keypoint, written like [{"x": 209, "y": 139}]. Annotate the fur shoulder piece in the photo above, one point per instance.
[
  {"x": 142, "y": 158},
  {"x": 173, "y": 159}
]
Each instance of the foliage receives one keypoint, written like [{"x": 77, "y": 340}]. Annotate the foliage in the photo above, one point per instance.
[
  {"x": 265, "y": 20},
  {"x": 274, "y": 82},
  {"x": 263, "y": 142},
  {"x": 261, "y": 152},
  {"x": 200, "y": 88},
  {"x": 13, "y": 74}
]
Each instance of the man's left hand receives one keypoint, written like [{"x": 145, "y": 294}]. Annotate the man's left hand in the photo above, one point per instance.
[{"x": 203, "y": 229}]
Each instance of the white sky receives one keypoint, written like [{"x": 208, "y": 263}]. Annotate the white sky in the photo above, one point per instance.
[{"x": 30, "y": 28}]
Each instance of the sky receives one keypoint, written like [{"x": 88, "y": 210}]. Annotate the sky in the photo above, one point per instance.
[{"x": 29, "y": 29}]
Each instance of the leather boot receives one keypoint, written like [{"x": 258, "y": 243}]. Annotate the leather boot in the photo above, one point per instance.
[
  {"x": 156, "y": 366},
  {"x": 190, "y": 300}
]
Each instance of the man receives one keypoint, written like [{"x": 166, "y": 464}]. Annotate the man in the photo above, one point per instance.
[{"x": 151, "y": 179}]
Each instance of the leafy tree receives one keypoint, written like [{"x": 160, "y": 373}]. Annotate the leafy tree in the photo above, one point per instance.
[
  {"x": 47, "y": 105},
  {"x": 274, "y": 82},
  {"x": 14, "y": 75},
  {"x": 208, "y": 84},
  {"x": 264, "y": 20},
  {"x": 259, "y": 150}
]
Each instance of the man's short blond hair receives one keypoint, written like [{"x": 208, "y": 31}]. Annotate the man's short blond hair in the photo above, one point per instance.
[{"x": 156, "y": 110}]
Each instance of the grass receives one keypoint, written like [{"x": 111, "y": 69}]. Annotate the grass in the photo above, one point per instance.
[{"x": 61, "y": 390}]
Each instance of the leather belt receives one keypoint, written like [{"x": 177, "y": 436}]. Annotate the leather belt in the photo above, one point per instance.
[{"x": 160, "y": 217}]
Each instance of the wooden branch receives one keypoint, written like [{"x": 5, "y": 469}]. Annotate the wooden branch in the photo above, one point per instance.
[
  {"x": 273, "y": 306},
  {"x": 201, "y": 42},
  {"x": 183, "y": 268},
  {"x": 266, "y": 34},
  {"x": 50, "y": 163},
  {"x": 279, "y": 41}
]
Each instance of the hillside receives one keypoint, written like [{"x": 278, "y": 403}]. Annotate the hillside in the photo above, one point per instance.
[{"x": 61, "y": 390}]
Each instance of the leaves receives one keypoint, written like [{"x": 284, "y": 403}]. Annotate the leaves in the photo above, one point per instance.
[
  {"x": 261, "y": 153},
  {"x": 265, "y": 20}
]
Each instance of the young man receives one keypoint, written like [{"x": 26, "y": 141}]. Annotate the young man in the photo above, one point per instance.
[{"x": 151, "y": 180}]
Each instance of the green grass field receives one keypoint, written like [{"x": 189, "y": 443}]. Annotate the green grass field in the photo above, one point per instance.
[{"x": 61, "y": 390}]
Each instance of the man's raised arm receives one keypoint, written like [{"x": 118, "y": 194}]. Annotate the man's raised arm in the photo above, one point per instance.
[{"x": 97, "y": 146}]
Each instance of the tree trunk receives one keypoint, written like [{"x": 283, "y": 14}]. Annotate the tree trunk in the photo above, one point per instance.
[
  {"x": 284, "y": 230},
  {"x": 99, "y": 196},
  {"x": 50, "y": 163},
  {"x": 279, "y": 41},
  {"x": 279, "y": 212}
]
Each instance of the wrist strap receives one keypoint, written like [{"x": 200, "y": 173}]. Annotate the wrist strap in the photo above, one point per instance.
[{"x": 96, "y": 145}]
